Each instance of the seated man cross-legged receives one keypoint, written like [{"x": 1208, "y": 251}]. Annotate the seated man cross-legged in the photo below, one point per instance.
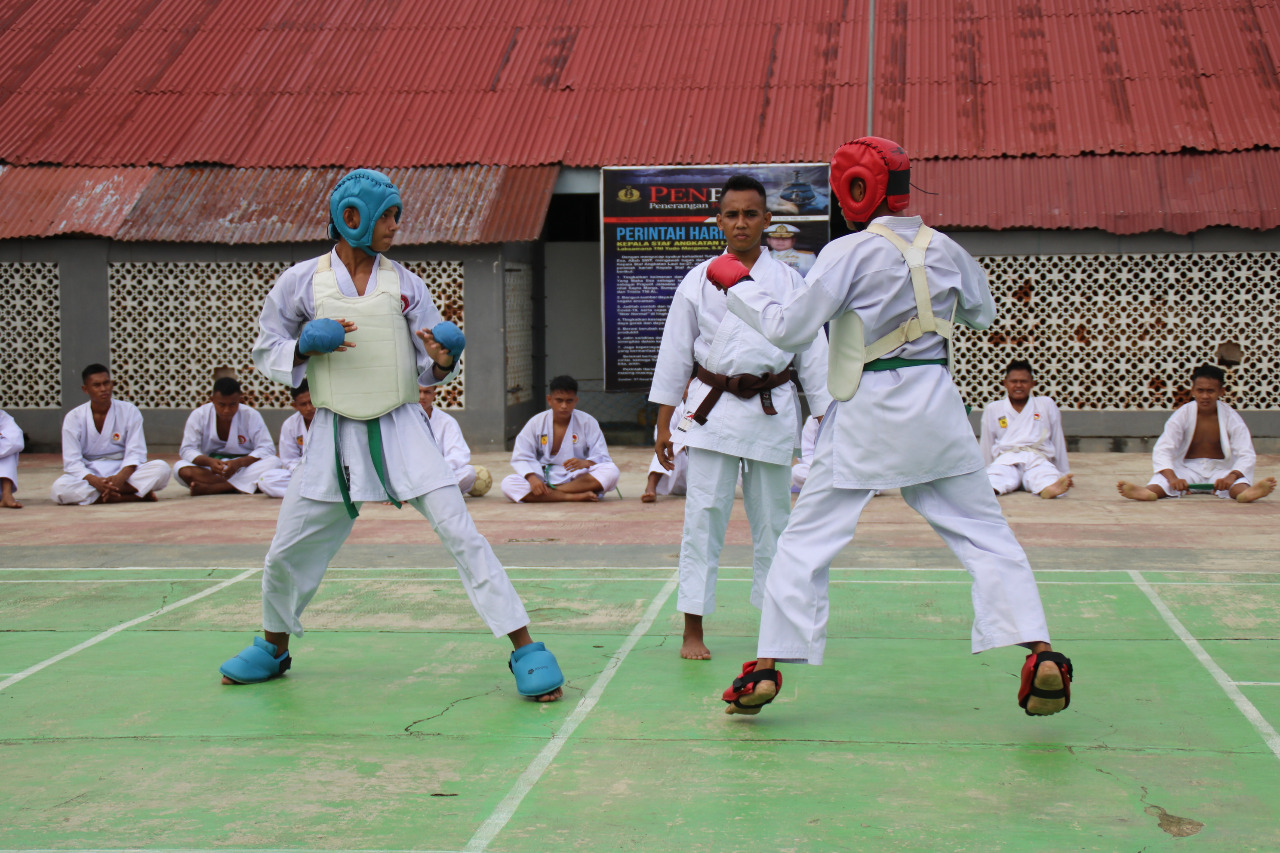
[
  {"x": 226, "y": 447},
  {"x": 473, "y": 480},
  {"x": 1205, "y": 447},
  {"x": 12, "y": 441},
  {"x": 293, "y": 441},
  {"x": 104, "y": 452},
  {"x": 561, "y": 454},
  {"x": 1022, "y": 441}
]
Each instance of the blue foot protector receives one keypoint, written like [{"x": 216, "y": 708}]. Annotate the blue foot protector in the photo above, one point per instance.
[
  {"x": 259, "y": 663},
  {"x": 535, "y": 669}
]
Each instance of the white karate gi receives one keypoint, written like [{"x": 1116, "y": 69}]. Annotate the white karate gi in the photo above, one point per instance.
[
  {"x": 1171, "y": 450},
  {"x": 672, "y": 482},
  {"x": 11, "y": 444},
  {"x": 903, "y": 428},
  {"x": 293, "y": 441},
  {"x": 1023, "y": 449},
  {"x": 313, "y": 520},
  {"x": 448, "y": 437},
  {"x": 532, "y": 454},
  {"x": 120, "y": 444},
  {"x": 738, "y": 437},
  {"x": 246, "y": 436},
  {"x": 808, "y": 438}
]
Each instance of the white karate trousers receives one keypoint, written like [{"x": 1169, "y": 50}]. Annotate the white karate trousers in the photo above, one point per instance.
[
  {"x": 672, "y": 482},
  {"x": 963, "y": 511},
  {"x": 709, "y": 491},
  {"x": 517, "y": 488},
  {"x": 148, "y": 477},
  {"x": 309, "y": 533},
  {"x": 245, "y": 480}
]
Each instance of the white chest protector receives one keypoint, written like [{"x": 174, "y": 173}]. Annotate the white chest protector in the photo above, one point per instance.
[
  {"x": 380, "y": 372},
  {"x": 849, "y": 354}
]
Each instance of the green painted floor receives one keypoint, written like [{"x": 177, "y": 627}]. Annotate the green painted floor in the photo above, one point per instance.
[{"x": 399, "y": 727}]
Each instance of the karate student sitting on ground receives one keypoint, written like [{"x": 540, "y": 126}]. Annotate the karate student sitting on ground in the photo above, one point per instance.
[
  {"x": 891, "y": 292},
  {"x": 226, "y": 447},
  {"x": 473, "y": 480},
  {"x": 1205, "y": 443},
  {"x": 560, "y": 455},
  {"x": 366, "y": 333},
  {"x": 1022, "y": 441},
  {"x": 661, "y": 481},
  {"x": 11, "y": 443},
  {"x": 104, "y": 452},
  {"x": 744, "y": 409},
  {"x": 293, "y": 441}
]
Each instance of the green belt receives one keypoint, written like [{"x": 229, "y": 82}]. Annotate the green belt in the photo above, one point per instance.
[
  {"x": 223, "y": 455},
  {"x": 897, "y": 363},
  {"x": 379, "y": 464}
]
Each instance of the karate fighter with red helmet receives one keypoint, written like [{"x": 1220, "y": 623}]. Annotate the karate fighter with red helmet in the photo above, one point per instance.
[{"x": 891, "y": 292}]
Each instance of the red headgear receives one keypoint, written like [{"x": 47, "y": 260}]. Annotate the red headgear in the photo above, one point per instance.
[{"x": 885, "y": 168}]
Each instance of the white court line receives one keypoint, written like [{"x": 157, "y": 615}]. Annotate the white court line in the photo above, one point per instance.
[
  {"x": 452, "y": 568},
  {"x": 1228, "y": 686},
  {"x": 123, "y": 626},
  {"x": 523, "y": 785},
  {"x": 1257, "y": 683}
]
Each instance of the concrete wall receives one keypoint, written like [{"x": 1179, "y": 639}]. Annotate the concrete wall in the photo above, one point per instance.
[{"x": 85, "y": 330}]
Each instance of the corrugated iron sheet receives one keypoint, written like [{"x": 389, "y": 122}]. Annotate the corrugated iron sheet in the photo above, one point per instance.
[
  {"x": 1176, "y": 193},
  {"x": 341, "y": 83},
  {"x": 218, "y": 204},
  {"x": 45, "y": 201}
]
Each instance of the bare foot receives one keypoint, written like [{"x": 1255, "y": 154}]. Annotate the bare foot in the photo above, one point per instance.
[
  {"x": 226, "y": 680},
  {"x": 10, "y": 503},
  {"x": 693, "y": 647},
  {"x": 1260, "y": 489},
  {"x": 581, "y": 496},
  {"x": 1135, "y": 492},
  {"x": 552, "y": 696},
  {"x": 648, "y": 497},
  {"x": 1048, "y": 677},
  {"x": 1057, "y": 487}
]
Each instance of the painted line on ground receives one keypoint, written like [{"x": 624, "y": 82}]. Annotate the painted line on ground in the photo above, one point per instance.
[
  {"x": 1256, "y": 683},
  {"x": 666, "y": 568},
  {"x": 1269, "y": 734},
  {"x": 123, "y": 626},
  {"x": 506, "y": 809}
]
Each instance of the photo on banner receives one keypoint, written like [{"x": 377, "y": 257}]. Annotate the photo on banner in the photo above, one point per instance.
[{"x": 659, "y": 222}]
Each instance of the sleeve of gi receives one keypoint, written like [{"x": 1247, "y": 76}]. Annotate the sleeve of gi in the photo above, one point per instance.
[
  {"x": 1169, "y": 443},
  {"x": 975, "y": 307},
  {"x": 597, "y": 449},
  {"x": 452, "y": 444},
  {"x": 135, "y": 448},
  {"x": 1059, "y": 439},
  {"x": 421, "y": 313},
  {"x": 986, "y": 439},
  {"x": 793, "y": 326},
  {"x": 11, "y": 439},
  {"x": 1242, "y": 452},
  {"x": 263, "y": 445},
  {"x": 287, "y": 308},
  {"x": 193, "y": 437},
  {"x": 675, "y": 354},
  {"x": 524, "y": 454},
  {"x": 72, "y": 452}
]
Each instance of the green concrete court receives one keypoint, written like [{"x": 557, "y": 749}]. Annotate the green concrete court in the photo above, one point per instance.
[{"x": 399, "y": 727}]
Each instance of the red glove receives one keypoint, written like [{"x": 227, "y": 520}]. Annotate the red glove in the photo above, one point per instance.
[{"x": 726, "y": 271}]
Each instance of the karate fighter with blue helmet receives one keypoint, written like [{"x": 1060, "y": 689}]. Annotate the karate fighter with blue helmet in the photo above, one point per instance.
[{"x": 364, "y": 332}]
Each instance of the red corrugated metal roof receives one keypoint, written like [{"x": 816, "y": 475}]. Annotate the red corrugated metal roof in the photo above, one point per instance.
[
  {"x": 593, "y": 82},
  {"x": 44, "y": 201},
  {"x": 212, "y": 204},
  {"x": 1176, "y": 193}
]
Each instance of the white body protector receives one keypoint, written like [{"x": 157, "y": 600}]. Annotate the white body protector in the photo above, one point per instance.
[
  {"x": 849, "y": 353},
  {"x": 358, "y": 384}
]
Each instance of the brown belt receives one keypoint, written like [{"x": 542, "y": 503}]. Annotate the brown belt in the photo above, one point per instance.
[{"x": 744, "y": 385}]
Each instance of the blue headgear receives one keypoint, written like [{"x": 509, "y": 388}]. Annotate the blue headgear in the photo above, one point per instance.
[{"x": 371, "y": 194}]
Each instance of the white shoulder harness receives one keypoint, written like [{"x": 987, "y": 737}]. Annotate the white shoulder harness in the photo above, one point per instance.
[{"x": 848, "y": 353}]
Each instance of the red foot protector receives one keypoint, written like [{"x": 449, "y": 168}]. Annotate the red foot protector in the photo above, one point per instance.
[
  {"x": 745, "y": 684},
  {"x": 1028, "y": 688}
]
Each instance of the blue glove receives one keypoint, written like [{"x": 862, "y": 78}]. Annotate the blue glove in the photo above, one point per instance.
[
  {"x": 450, "y": 337},
  {"x": 321, "y": 335}
]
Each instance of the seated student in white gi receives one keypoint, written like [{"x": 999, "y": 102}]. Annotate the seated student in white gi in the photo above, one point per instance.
[
  {"x": 473, "y": 480},
  {"x": 104, "y": 452},
  {"x": 561, "y": 454},
  {"x": 11, "y": 443},
  {"x": 1022, "y": 441},
  {"x": 891, "y": 292},
  {"x": 226, "y": 447},
  {"x": 1205, "y": 444},
  {"x": 800, "y": 467},
  {"x": 661, "y": 481},
  {"x": 366, "y": 333},
  {"x": 293, "y": 441}
]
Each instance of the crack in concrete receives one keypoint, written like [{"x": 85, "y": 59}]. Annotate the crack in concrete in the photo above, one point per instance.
[
  {"x": 409, "y": 728},
  {"x": 1178, "y": 827}
]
